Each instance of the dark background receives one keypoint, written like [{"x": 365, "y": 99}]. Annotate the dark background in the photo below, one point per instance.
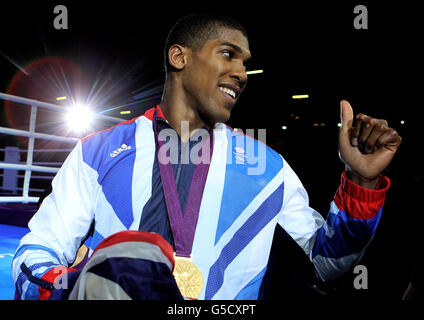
[{"x": 304, "y": 48}]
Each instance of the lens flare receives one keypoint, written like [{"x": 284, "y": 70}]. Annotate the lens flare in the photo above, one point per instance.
[{"x": 79, "y": 118}]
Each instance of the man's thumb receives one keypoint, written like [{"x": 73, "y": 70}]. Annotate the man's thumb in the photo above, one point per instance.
[{"x": 346, "y": 115}]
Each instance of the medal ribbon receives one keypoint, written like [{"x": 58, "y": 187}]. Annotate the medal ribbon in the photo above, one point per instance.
[{"x": 183, "y": 227}]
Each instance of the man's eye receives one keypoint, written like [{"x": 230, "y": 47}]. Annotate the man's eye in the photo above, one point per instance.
[{"x": 228, "y": 54}]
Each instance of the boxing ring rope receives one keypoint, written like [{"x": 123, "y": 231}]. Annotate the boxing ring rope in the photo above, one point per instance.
[{"x": 30, "y": 166}]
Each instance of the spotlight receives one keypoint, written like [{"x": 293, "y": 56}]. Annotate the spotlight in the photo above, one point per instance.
[
  {"x": 300, "y": 96},
  {"x": 79, "y": 118},
  {"x": 254, "y": 72}
]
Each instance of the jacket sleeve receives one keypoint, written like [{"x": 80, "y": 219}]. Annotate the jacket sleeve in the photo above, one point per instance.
[
  {"x": 56, "y": 230},
  {"x": 336, "y": 244}
]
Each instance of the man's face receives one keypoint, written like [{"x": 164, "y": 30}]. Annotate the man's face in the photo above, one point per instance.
[{"x": 215, "y": 75}]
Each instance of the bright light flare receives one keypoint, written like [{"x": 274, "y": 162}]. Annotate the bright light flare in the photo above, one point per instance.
[
  {"x": 254, "y": 72},
  {"x": 79, "y": 118},
  {"x": 300, "y": 96}
]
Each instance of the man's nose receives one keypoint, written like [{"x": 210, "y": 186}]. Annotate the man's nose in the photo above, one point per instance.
[{"x": 239, "y": 73}]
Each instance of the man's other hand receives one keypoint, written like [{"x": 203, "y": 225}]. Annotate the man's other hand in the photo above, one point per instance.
[{"x": 366, "y": 145}]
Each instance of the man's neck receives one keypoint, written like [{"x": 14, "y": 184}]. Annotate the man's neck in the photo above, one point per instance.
[{"x": 176, "y": 110}]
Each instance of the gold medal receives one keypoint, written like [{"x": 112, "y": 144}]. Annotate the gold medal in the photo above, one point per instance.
[{"x": 188, "y": 277}]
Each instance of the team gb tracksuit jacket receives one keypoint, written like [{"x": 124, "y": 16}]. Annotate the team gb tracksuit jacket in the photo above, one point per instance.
[{"x": 250, "y": 188}]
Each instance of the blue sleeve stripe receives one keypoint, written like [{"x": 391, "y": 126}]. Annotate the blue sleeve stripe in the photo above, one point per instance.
[
  {"x": 23, "y": 277},
  {"x": 347, "y": 235},
  {"x": 97, "y": 238},
  {"x": 25, "y": 247}
]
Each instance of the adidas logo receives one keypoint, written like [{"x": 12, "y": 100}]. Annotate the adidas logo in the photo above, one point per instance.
[{"x": 124, "y": 147}]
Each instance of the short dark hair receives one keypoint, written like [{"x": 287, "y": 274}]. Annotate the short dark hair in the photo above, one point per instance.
[{"x": 194, "y": 30}]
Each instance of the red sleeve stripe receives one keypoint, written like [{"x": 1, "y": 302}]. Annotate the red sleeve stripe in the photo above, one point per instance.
[
  {"x": 51, "y": 276},
  {"x": 358, "y": 202}
]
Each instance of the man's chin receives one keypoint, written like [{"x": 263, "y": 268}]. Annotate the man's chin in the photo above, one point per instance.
[
  {"x": 225, "y": 113},
  {"x": 223, "y": 116}
]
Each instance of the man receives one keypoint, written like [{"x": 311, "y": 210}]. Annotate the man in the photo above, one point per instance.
[{"x": 119, "y": 178}]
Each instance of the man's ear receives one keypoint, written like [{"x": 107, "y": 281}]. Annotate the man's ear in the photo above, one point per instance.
[{"x": 178, "y": 56}]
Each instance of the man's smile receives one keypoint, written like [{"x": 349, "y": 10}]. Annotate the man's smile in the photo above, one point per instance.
[{"x": 231, "y": 93}]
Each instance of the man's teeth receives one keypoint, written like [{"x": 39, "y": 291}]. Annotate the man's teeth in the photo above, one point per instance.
[{"x": 229, "y": 91}]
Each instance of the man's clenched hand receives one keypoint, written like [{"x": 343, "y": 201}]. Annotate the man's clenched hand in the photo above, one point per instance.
[{"x": 366, "y": 147}]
